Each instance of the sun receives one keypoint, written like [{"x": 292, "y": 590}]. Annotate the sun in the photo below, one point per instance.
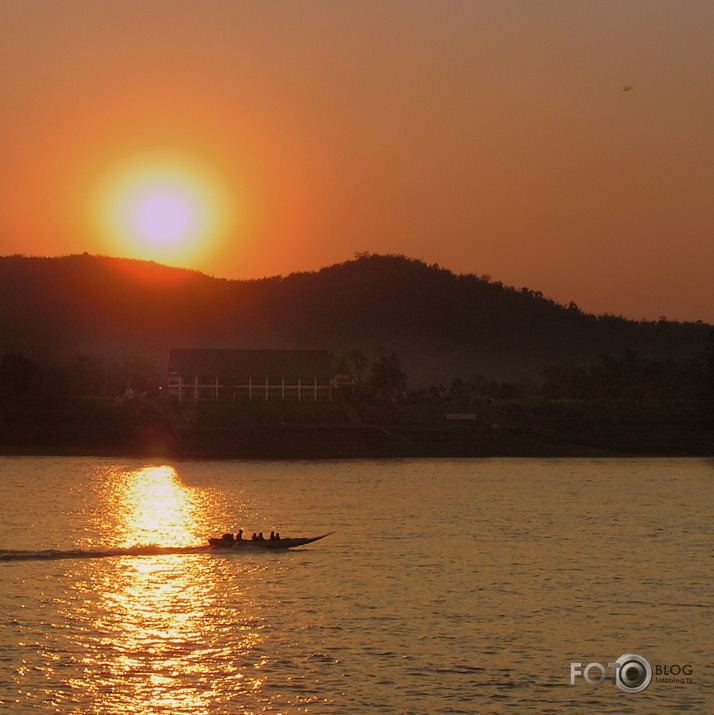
[
  {"x": 165, "y": 208},
  {"x": 164, "y": 214}
]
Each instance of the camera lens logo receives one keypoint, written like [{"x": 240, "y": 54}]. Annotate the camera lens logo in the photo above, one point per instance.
[{"x": 633, "y": 673}]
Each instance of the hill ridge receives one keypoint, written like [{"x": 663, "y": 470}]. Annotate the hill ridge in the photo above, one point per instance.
[{"x": 442, "y": 324}]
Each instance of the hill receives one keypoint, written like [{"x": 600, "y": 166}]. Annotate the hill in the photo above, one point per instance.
[{"x": 442, "y": 325}]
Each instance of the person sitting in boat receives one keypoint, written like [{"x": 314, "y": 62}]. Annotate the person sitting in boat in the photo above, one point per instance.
[
  {"x": 254, "y": 537},
  {"x": 261, "y": 537},
  {"x": 239, "y": 535},
  {"x": 272, "y": 536},
  {"x": 277, "y": 537}
]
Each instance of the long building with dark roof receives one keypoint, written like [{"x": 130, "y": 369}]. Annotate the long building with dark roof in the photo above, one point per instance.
[{"x": 206, "y": 374}]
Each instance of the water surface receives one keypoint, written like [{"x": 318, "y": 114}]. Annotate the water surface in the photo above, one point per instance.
[{"x": 451, "y": 586}]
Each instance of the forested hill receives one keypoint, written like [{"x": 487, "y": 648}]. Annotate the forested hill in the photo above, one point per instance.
[{"x": 442, "y": 325}]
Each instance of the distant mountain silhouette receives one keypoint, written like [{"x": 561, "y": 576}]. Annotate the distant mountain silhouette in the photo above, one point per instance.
[{"x": 441, "y": 324}]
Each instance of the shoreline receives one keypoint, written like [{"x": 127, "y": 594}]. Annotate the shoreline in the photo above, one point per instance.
[
  {"x": 291, "y": 445},
  {"x": 324, "y": 431}
]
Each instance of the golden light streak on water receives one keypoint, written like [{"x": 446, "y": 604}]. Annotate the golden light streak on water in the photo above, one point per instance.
[
  {"x": 165, "y": 647},
  {"x": 170, "y": 636},
  {"x": 153, "y": 506}
]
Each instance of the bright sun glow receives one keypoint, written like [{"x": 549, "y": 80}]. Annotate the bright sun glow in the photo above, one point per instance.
[
  {"x": 164, "y": 214},
  {"x": 162, "y": 208}
]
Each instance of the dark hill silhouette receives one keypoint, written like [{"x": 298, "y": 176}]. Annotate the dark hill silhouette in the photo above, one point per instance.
[{"x": 442, "y": 325}]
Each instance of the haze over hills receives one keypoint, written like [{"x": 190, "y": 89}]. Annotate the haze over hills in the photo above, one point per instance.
[{"x": 442, "y": 325}]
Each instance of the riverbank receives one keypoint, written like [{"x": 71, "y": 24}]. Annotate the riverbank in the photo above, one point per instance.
[{"x": 333, "y": 430}]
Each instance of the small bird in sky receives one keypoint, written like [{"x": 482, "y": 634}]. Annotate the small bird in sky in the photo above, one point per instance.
[{"x": 627, "y": 88}]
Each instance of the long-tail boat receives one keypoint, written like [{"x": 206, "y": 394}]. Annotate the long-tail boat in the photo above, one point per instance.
[{"x": 228, "y": 541}]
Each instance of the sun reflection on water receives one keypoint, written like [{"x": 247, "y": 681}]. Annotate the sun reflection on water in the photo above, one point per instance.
[
  {"x": 171, "y": 633},
  {"x": 172, "y": 637},
  {"x": 153, "y": 506}
]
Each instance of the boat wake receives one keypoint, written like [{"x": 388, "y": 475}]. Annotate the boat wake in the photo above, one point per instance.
[{"x": 55, "y": 554}]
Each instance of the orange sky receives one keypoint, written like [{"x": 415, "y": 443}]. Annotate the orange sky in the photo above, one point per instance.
[{"x": 487, "y": 136}]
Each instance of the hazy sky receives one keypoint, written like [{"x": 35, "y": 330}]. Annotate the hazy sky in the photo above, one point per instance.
[{"x": 491, "y": 137}]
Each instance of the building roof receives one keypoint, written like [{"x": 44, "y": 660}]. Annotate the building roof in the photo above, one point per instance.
[{"x": 251, "y": 363}]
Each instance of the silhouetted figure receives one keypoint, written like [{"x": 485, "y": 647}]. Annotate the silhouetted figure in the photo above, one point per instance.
[
  {"x": 261, "y": 537},
  {"x": 277, "y": 537},
  {"x": 239, "y": 535},
  {"x": 254, "y": 537},
  {"x": 272, "y": 536}
]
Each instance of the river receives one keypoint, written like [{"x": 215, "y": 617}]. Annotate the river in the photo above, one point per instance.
[{"x": 449, "y": 586}]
